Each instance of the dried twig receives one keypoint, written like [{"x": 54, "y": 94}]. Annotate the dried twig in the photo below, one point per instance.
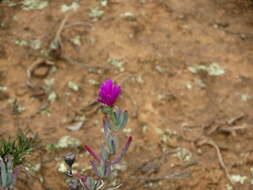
[
  {"x": 102, "y": 185},
  {"x": 32, "y": 68},
  {"x": 231, "y": 129},
  {"x": 55, "y": 45},
  {"x": 243, "y": 36},
  {"x": 176, "y": 175},
  {"x": 189, "y": 164},
  {"x": 57, "y": 38},
  {"x": 213, "y": 144},
  {"x": 77, "y": 24},
  {"x": 235, "y": 119},
  {"x": 113, "y": 188}
]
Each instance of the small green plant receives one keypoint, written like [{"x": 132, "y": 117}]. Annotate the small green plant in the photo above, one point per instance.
[{"x": 12, "y": 155}]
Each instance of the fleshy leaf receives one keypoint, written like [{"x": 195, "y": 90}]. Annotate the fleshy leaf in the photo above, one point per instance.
[
  {"x": 104, "y": 154},
  {"x": 108, "y": 169},
  {"x": 101, "y": 172},
  {"x": 112, "y": 143},
  {"x": 90, "y": 183},
  {"x": 94, "y": 154},
  {"x": 123, "y": 119},
  {"x": 94, "y": 166},
  {"x": 106, "y": 125},
  {"x": 9, "y": 168},
  {"x": 3, "y": 173},
  {"x": 120, "y": 121},
  {"x": 123, "y": 151}
]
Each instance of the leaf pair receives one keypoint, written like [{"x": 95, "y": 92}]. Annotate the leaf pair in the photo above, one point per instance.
[{"x": 118, "y": 119}]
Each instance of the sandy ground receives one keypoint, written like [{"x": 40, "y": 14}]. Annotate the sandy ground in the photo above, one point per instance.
[{"x": 186, "y": 71}]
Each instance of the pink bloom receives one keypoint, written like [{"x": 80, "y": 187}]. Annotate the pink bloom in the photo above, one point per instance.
[{"x": 109, "y": 93}]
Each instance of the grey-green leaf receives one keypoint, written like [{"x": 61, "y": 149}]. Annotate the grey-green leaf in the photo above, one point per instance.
[
  {"x": 104, "y": 154},
  {"x": 3, "y": 173},
  {"x": 112, "y": 143}
]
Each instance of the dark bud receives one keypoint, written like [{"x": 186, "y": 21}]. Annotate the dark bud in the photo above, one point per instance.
[{"x": 69, "y": 159}]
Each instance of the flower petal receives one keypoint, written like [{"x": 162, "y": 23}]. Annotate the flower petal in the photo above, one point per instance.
[{"x": 108, "y": 93}]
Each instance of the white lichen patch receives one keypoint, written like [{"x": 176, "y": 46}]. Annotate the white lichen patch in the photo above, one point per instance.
[
  {"x": 229, "y": 187},
  {"x": 74, "y": 6},
  {"x": 93, "y": 82},
  {"x": 95, "y": 13},
  {"x": 159, "y": 131},
  {"x": 49, "y": 82},
  {"x": 199, "y": 83},
  {"x": 33, "y": 168},
  {"x": 165, "y": 138},
  {"x": 34, "y": 44},
  {"x": 213, "y": 69},
  {"x": 62, "y": 167},
  {"x": 238, "y": 178},
  {"x": 116, "y": 62},
  {"x": 121, "y": 167},
  {"x": 245, "y": 97},
  {"x": 161, "y": 97},
  {"x": 183, "y": 154},
  {"x": 21, "y": 42},
  {"x": 142, "y": 1},
  {"x": 3, "y": 88},
  {"x": 170, "y": 132},
  {"x": 139, "y": 79},
  {"x": 10, "y": 3},
  {"x": 251, "y": 171},
  {"x": 36, "y": 167},
  {"x": 68, "y": 142},
  {"x": 31, "y": 5},
  {"x": 128, "y": 15},
  {"x": 73, "y": 86},
  {"x": 17, "y": 108},
  {"x": 86, "y": 168},
  {"x": 166, "y": 135},
  {"x": 188, "y": 85},
  {"x": 103, "y": 3},
  {"x": 196, "y": 82},
  {"x": 76, "y": 40},
  {"x": 127, "y": 130},
  {"x": 159, "y": 69},
  {"x": 52, "y": 97},
  {"x": 144, "y": 128}
]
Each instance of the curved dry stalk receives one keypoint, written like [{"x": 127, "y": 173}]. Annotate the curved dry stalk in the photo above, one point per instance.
[
  {"x": 113, "y": 188},
  {"x": 221, "y": 161}
]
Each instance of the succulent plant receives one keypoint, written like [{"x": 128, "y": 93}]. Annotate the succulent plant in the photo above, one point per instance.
[{"x": 114, "y": 121}]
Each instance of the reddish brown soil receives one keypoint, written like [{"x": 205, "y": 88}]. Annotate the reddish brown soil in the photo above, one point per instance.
[{"x": 157, "y": 46}]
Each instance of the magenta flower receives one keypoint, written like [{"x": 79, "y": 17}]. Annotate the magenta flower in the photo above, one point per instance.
[{"x": 109, "y": 93}]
